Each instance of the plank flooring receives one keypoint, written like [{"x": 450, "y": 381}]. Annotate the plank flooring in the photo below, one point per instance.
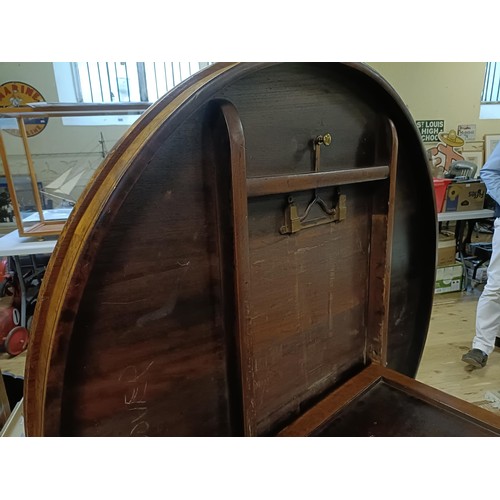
[
  {"x": 13, "y": 366},
  {"x": 450, "y": 335}
]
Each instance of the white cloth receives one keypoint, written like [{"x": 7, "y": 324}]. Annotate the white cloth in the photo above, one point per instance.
[{"x": 488, "y": 306}]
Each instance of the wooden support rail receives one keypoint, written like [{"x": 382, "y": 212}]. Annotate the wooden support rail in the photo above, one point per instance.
[
  {"x": 262, "y": 186},
  {"x": 43, "y": 109}
]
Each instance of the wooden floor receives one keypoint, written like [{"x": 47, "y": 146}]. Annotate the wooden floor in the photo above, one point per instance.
[
  {"x": 13, "y": 366},
  {"x": 449, "y": 337}
]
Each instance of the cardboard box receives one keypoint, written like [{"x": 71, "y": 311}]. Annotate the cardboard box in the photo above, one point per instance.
[
  {"x": 448, "y": 279},
  {"x": 481, "y": 270},
  {"x": 481, "y": 274},
  {"x": 447, "y": 249},
  {"x": 463, "y": 196}
]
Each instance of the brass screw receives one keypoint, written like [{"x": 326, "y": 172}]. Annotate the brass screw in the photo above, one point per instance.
[{"x": 324, "y": 139}]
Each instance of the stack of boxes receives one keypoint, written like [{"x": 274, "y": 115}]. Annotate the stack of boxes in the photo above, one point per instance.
[
  {"x": 454, "y": 196},
  {"x": 449, "y": 271}
]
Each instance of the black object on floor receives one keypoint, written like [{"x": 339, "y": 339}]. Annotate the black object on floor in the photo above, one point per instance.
[{"x": 14, "y": 387}]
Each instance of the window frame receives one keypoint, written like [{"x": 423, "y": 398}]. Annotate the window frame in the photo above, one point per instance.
[
  {"x": 71, "y": 86},
  {"x": 489, "y": 108}
]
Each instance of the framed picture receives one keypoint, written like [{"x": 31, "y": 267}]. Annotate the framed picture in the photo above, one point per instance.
[
  {"x": 490, "y": 142},
  {"x": 473, "y": 146},
  {"x": 467, "y": 132}
]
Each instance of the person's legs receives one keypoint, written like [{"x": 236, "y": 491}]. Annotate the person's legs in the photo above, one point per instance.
[
  {"x": 488, "y": 309},
  {"x": 488, "y": 306}
]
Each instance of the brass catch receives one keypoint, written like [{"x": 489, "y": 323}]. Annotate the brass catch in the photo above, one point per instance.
[{"x": 295, "y": 222}]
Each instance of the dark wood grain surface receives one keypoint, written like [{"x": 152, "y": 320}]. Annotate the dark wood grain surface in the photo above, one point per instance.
[
  {"x": 175, "y": 305},
  {"x": 381, "y": 402}
]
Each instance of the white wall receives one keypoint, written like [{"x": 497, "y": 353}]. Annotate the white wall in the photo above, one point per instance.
[{"x": 449, "y": 91}]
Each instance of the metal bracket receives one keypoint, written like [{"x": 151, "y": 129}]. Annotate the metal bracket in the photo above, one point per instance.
[{"x": 294, "y": 222}]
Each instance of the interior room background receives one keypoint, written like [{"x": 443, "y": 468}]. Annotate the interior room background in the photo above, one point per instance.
[{"x": 448, "y": 91}]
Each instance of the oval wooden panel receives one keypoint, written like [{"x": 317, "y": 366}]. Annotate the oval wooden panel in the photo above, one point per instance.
[{"x": 176, "y": 302}]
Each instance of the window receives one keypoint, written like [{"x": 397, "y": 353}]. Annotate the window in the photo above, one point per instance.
[
  {"x": 490, "y": 97},
  {"x": 129, "y": 82},
  {"x": 491, "y": 87},
  {"x": 92, "y": 82}
]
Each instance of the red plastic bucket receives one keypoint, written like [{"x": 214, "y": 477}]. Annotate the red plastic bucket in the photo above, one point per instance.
[{"x": 440, "y": 186}]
